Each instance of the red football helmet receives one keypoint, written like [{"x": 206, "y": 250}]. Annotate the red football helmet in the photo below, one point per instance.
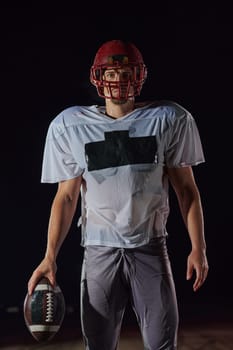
[{"x": 116, "y": 55}]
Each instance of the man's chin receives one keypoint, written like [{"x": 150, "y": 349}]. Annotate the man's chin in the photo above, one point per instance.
[{"x": 117, "y": 101}]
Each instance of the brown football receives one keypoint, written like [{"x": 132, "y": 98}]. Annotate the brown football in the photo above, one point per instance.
[{"x": 44, "y": 310}]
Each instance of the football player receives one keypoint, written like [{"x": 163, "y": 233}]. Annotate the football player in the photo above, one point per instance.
[{"x": 122, "y": 157}]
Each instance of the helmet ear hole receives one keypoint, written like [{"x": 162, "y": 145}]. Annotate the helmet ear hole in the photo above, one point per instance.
[
  {"x": 137, "y": 73},
  {"x": 97, "y": 74}
]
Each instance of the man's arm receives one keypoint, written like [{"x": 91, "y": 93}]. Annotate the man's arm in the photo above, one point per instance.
[
  {"x": 183, "y": 182},
  {"x": 62, "y": 212}
]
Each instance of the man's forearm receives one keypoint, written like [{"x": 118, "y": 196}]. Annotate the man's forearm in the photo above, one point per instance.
[{"x": 61, "y": 217}]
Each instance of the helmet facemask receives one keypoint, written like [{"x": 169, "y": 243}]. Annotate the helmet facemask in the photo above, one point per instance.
[{"x": 126, "y": 88}]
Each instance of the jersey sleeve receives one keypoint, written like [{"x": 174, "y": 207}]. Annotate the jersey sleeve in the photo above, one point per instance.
[
  {"x": 59, "y": 162},
  {"x": 184, "y": 147}
]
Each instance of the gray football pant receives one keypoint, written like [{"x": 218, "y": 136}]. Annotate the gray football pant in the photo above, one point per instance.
[{"x": 113, "y": 276}]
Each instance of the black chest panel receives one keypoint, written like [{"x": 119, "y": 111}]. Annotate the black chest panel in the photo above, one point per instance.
[{"x": 119, "y": 149}]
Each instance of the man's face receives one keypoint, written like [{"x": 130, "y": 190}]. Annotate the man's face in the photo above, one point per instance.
[{"x": 118, "y": 84}]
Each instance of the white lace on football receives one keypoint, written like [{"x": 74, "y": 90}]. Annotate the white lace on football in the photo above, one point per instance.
[{"x": 49, "y": 307}]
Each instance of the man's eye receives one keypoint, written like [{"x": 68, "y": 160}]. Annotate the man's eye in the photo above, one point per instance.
[{"x": 110, "y": 75}]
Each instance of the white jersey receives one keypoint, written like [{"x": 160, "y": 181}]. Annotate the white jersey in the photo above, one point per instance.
[{"x": 125, "y": 189}]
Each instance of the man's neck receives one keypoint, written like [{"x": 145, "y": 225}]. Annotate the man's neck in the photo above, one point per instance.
[{"x": 117, "y": 110}]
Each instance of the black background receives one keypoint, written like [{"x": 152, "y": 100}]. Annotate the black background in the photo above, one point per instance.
[{"x": 45, "y": 59}]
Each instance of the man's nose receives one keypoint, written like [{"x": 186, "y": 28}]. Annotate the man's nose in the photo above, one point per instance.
[
  {"x": 122, "y": 76},
  {"x": 118, "y": 76}
]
